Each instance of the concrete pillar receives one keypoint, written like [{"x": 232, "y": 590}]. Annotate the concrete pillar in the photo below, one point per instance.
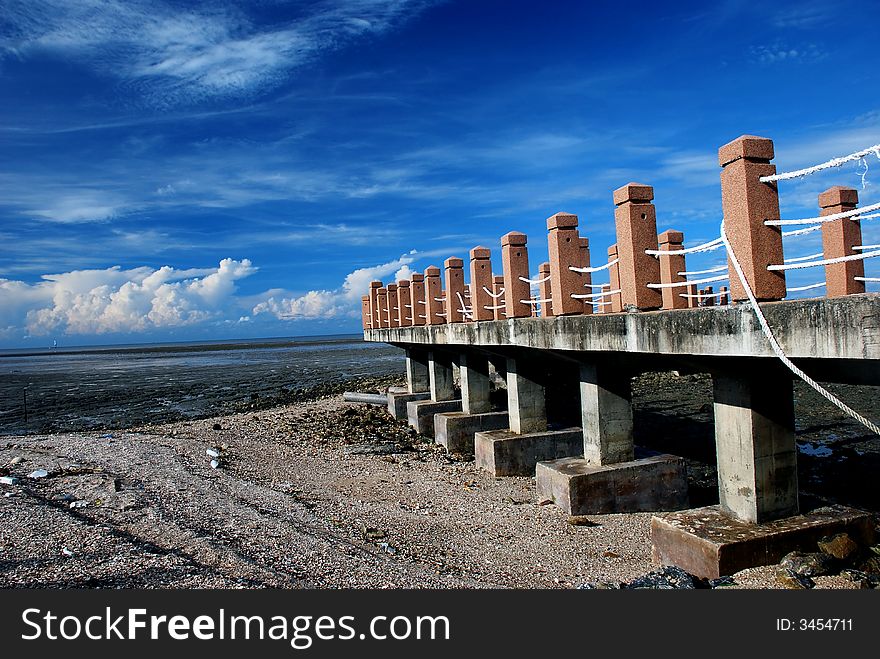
[
  {"x": 545, "y": 290},
  {"x": 393, "y": 318},
  {"x": 838, "y": 239},
  {"x": 433, "y": 296},
  {"x": 526, "y": 406},
  {"x": 587, "y": 278},
  {"x": 606, "y": 414},
  {"x": 474, "y": 372},
  {"x": 614, "y": 281},
  {"x": 670, "y": 266},
  {"x": 515, "y": 259},
  {"x": 374, "y": 303},
  {"x": 747, "y": 203},
  {"x": 636, "y": 222},
  {"x": 498, "y": 300},
  {"x": 455, "y": 300},
  {"x": 440, "y": 376},
  {"x": 417, "y": 379},
  {"x": 382, "y": 303},
  {"x": 564, "y": 247},
  {"x": 481, "y": 281},
  {"x": 417, "y": 299},
  {"x": 404, "y": 304},
  {"x": 366, "y": 320},
  {"x": 755, "y": 444}
]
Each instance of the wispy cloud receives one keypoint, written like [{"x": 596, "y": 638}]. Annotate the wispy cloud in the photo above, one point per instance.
[{"x": 780, "y": 53}]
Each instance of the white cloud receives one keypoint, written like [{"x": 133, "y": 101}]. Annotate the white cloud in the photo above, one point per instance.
[{"x": 117, "y": 300}]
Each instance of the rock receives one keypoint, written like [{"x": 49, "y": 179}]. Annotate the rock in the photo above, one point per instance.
[
  {"x": 215, "y": 464},
  {"x": 581, "y": 520},
  {"x": 792, "y": 580},
  {"x": 79, "y": 504},
  {"x": 667, "y": 577},
  {"x": 870, "y": 565},
  {"x": 610, "y": 554},
  {"x": 38, "y": 473},
  {"x": 860, "y": 579},
  {"x": 373, "y": 534},
  {"x": 809, "y": 565},
  {"x": 16, "y": 460},
  {"x": 721, "y": 582},
  {"x": 387, "y": 548},
  {"x": 600, "y": 585},
  {"x": 213, "y": 452},
  {"x": 8, "y": 480},
  {"x": 840, "y": 546},
  {"x": 66, "y": 551},
  {"x": 217, "y": 426}
]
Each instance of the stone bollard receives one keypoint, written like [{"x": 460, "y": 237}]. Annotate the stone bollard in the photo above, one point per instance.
[
  {"x": 375, "y": 316},
  {"x": 498, "y": 298},
  {"x": 417, "y": 299},
  {"x": 564, "y": 247},
  {"x": 382, "y": 296},
  {"x": 545, "y": 290},
  {"x": 455, "y": 301},
  {"x": 481, "y": 282},
  {"x": 723, "y": 300},
  {"x": 606, "y": 302},
  {"x": 747, "y": 203},
  {"x": 515, "y": 259},
  {"x": 709, "y": 301},
  {"x": 670, "y": 266},
  {"x": 404, "y": 304},
  {"x": 366, "y": 320},
  {"x": 393, "y": 318},
  {"x": 587, "y": 277},
  {"x": 614, "y": 279},
  {"x": 636, "y": 222},
  {"x": 433, "y": 296},
  {"x": 693, "y": 301},
  {"x": 838, "y": 239}
]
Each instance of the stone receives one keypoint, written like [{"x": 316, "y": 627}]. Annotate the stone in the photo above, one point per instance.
[
  {"x": 38, "y": 473},
  {"x": 217, "y": 426},
  {"x": 815, "y": 564},
  {"x": 420, "y": 414},
  {"x": 792, "y": 580},
  {"x": 870, "y": 565},
  {"x": 213, "y": 452},
  {"x": 397, "y": 403},
  {"x": 668, "y": 577},
  {"x": 581, "y": 520},
  {"x": 636, "y": 223},
  {"x": 860, "y": 579},
  {"x": 564, "y": 248},
  {"x": 840, "y": 546},
  {"x": 838, "y": 239},
  {"x": 8, "y": 480},
  {"x": 16, "y": 460},
  {"x": 455, "y": 430},
  {"x": 481, "y": 284},
  {"x": 506, "y": 453},
  {"x": 455, "y": 301},
  {"x": 670, "y": 266},
  {"x": 515, "y": 263}
]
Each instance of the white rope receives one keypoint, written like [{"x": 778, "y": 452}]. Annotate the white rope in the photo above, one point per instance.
[
  {"x": 823, "y": 218},
  {"x": 704, "y": 247},
  {"x": 675, "y": 284},
  {"x": 535, "y": 281},
  {"x": 720, "y": 268},
  {"x": 465, "y": 311},
  {"x": 596, "y": 269},
  {"x": 839, "y": 259},
  {"x": 861, "y": 247},
  {"x": 601, "y": 304},
  {"x": 595, "y": 285},
  {"x": 422, "y": 302},
  {"x": 407, "y": 306},
  {"x": 536, "y": 301},
  {"x": 777, "y": 349},
  {"x": 440, "y": 314},
  {"x": 439, "y": 299},
  {"x": 702, "y": 296},
  {"x": 500, "y": 306},
  {"x": 867, "y": 278},
  {"x": 805, "y": 288},
  {"x": 800, "y": 232},
  {"x": 421, "y": 315},
  {"x": 834, "y": 162},
  {"x": 590, "y": 296},
  {"x": 804, "y": 258},
  {"x": 495, "y": 295}
]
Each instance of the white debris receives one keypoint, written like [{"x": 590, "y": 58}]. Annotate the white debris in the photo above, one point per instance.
[
  {"x": 213, "y": 452},
  {"x": 66, "y": 551},
  {"x": 215, "y": 463},
  {"x": 8, "y": 480},
  {"x": 38, "y": 473}
]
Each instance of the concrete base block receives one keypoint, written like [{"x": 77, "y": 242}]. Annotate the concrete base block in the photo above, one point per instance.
[
  {"x": 649, "y": 483},
  {"x": 420, "y": 413},
  {"x": 397, "y": 402},
  {"x": 456, "y": 430},
  {"x": 707, "y": 543},
  {"x": 505, "y": 453}
]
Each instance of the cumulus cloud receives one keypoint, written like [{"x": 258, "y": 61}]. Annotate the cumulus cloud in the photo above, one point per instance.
[{"x": 117, "y": 300}]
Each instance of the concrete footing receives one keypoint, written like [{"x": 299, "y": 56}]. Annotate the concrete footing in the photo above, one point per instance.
[
  {"x": 652, "y": 482},
  {"x": 456, "y": 430},
  {"x": 709, "y": 544},
  {"x": 420, "y": 413},
  {"x": 506, "y": 453},
  {"x": 397, "y": 401}
]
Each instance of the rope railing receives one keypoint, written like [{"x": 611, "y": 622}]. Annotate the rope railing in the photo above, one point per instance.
[
  {"x": 825, "y": 218},
  {"x": 811, "y": 264},
  {"x": 708, "y": 271},
  {"x": 535, "y": 301},
  {"x": 702, "y": 296},
  {"x": 704, "y": 247},
  {"x": 590, "y": 296},
  {"x": 834, "y": 162},
  {"x": 439, "y": 299},
  {"x": 870, "y": 279},
  {"x": 598, "y": 268},
  {"x": 794, "y": 289},
  {"x": 535, "y": 281},
  {"x": 800, "y": 232},
  {"x": 803, "y": 258},
  {"x": 675, "y": 284},
  {"x": 494, "y": 295},
  {"x": 861, "y": 247},
  {"x": 466, "y": 311},
  {"x": 493, "y": 308}
]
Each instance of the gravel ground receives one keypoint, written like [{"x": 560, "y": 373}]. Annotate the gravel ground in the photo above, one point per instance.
[{"x": 319, "y": 494}]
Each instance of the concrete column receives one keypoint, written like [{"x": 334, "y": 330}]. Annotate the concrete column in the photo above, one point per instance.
[
  {"x": 417, "y": 299},
  {"x": 498, "y": 300},
  {"x": 670, "y": 266},
  {"x": 481, "y": 281},
  {"x": 455, "y": 300},
  {"x": 440, "y": 376},
  {"x": 526, "y": 405},
  {"x": 417, "y": 379},
  {"x": 755, "y": 444},
  {"x": 636, "y": 222},
  {"x": 474, "y": 373},
  {"x": 433, "y": 295},
  {"x": 587, "y": 279},
  {"x": 545, "y": 290},
  {"x": 382, "y": 304},
  {"x": 375, "y": 316},
  {"x": 747, "y": 203},
  {"x": 606, "y": 414},
  {"x": 515, "y": 258},
  {"x": 564, "y": 247},
  {"x": 366, "y": 320},
  {"x": 614, "y": 281},
  {"x": 404, "y": 304},
  {"x": 838, "y": 239},
  {"x": 393, "y": 317}
]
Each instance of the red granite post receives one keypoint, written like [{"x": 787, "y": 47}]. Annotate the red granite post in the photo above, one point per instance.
[
  {"x": 417, "y": 299},
  {"x": 587, "y": 277},
  {"x": 692, "y": 301},
  {"x": 481, "y": 281},
  {"x": 433, "y": 295},
  {"x": 636, "y": 223},
  {"x": 374, "y": 303},
  {"x": 607, "y": 301},
  {"x": 670, "y": 266},
  {"x": 366, "y": 320},
  {"x": 455, "y": 301},
  {"x": 382, "y": 296},
  {"x": 515, "y": 259},
  {"x": 838, "y": 239},
  {"x": 709, "y": 301},
  {"x": 404, "y": 304},
  {"x": 747, "y": 203},
  {"x": 545, "y": 290},
  {"x": 498, "y": 300},
  {"x": 564, "y": 247},
  {"x": 723, "y": 300},
  {"x": 393, "y": 319},
  {"x": 614, "y": 279}
]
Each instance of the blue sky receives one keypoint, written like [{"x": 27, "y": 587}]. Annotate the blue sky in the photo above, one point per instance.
[{"x": 175, "y": 171}]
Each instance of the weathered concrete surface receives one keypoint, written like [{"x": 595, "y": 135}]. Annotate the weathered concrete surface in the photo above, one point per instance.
[
  {"x": 606, "y": 414},
  {"x": 440, "y": 376},
  {"x": 647, "y": 484},
  {"x": 506, "y": 453},
  {"x": 455, "y": 430},
  {"x": 840, "y": 328},
  {"x": 708, "y": 543},
  {"x": 526, "y": 403},
  {"x": 397, "y": 403},
  {"x": 420, "y": 413},
  {"x": 475, "y": 383}
]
